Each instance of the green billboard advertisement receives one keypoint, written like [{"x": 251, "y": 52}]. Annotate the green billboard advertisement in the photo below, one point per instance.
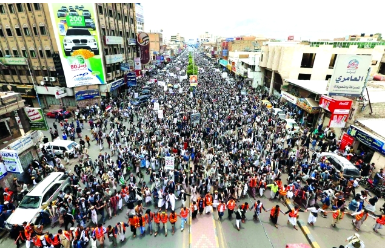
[
  {"x": 77, "y": 37},
  {"x": 36, "y": 118}
]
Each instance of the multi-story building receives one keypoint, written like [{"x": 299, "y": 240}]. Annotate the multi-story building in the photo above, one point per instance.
[
  {"x": 247, "y": 44},
  {"x": 207, "y": 37},
  {"x": 176, "y": 43},
  {"x": 32, "y": 48},
  {"x": 156, "y": 43},
  {"x": 140, "y": 17}
]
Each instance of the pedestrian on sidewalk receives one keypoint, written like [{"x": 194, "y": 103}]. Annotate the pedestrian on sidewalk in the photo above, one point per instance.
[
  {"x": 238, "y": 216},
  {"x": 134, "y": 223},
  {"x": 360, "y": 217},
  {"x": 244, "y": 208},
  {"x": 120, "y": 230},
  {"x": 274, "y": 213},
  {"x": 221, "y": 208},
  {"x": 157, "y": 219},
  {"x": 201, "y": 205},
  {"x": 230, "y": 207}
]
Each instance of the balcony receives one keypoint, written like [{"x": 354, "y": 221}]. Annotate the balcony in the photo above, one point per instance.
[{"x": 10, "y": 102}]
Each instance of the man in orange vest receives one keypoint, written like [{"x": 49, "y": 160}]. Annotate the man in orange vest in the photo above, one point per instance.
[
  {"x": 65, "y": 238},
  {"x": 293, "y": 213},
  {"x": 28, "y": 230},
  {"x": 99, "y": 233},
  {"x": 282, "y": 194},
  {"x": 338, "y": 215},
  {"x": 134, "y": 224},
  {"x": 164, "y": 220},
  {"x": 253, "y": 185},
  {"x": 221, "y": 209},
  {"x": 360, "y": 217},
  {"x": 55, "y": 241},
  {"x": 380, "y": 221},
  {"x": 173, "y": 219},
  {"x": 208, "y": 202},
  {"x": 244, "y": 208},
  {"x": 157, "y": 219},
  {"x": 142, "y": 223},
  {"x": 112, "y": 235},
  {"x": 230, "y": 207},
  {"x": 149, "y": 219},
  {"x": 184, "y": 216}
]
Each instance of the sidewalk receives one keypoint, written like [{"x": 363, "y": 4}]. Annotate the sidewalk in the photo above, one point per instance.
[{"x": 203, "y": 232}]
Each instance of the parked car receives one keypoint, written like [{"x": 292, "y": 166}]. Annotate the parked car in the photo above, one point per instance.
[
  {"x": 146, "y": 88},
  {"x": 52, "y": 114},
  {"x": 342, "y": 164},
  {"x": 60, "y": 147},
  {"x": 61, "y": 13},
  {"x": 39, "y": 198},
  {"x": 292, "y": 126}
]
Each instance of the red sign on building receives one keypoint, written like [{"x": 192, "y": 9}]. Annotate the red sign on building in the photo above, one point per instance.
[{"x": 338, "y": 107}]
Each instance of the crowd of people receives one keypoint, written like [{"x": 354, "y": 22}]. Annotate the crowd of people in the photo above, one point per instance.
[{"x": 239, "y": 150}]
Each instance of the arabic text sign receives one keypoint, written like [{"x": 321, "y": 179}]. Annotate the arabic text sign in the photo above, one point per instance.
[
  {"x": 11, "y": 161},
  {"x": 86, "y": 94},
  {"x": 367, "y": 139},
  {"x": 169, "y": 163},
  {"x": 36, "y": 118},
  {"x": 349, "y": 75}
]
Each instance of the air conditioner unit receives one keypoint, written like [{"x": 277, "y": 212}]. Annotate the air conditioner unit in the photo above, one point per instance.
[
  {"x": 52, "y": 79},
  {"x": 109, "y": 75},
  {"x": 45, "y": 78},
  {"x": 117, "y": 71}
]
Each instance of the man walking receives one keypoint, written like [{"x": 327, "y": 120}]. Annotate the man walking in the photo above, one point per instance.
[{"x": 230, "y": 207}]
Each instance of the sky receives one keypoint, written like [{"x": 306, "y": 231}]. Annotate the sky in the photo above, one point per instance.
[{"x": 305, "y": 20}]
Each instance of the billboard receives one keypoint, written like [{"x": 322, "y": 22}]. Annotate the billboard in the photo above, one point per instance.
[
  {"x": 131, "y": 79},
  {"x": 76, "y": 34},
  {"x": 11, "y": 161},
  {"x": 349, "y": 75},
  {"x": 86, "y": 94},
  {"x": 143, "y": 47},
  {"x": 367, "y": 139},
  {"x": 193, "y": 80},
  {"x": 36, "y": 118}
]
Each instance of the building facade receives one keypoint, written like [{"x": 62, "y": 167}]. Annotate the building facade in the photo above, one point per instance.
[
  {"x": 140, "y": 17},
  {"x": 29, "y": 53}
]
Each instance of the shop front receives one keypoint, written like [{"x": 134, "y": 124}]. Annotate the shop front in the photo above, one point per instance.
[
  {"x": 371, "y": 146},
  {"x": 87, "y": 95},
  {"x": 337, "y": 111},
  {"x": 116, "y": 88}
]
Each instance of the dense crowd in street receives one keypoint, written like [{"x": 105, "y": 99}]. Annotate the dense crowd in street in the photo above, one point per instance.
[{"x": 239, "y": 150}]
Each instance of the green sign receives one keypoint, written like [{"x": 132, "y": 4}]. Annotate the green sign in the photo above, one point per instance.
[
  {"x": 78, "y": 43},
  {"x": 75, "y": 21},
  {"x": 36, "y": 118},
  {"x": 13, "y": 61}
]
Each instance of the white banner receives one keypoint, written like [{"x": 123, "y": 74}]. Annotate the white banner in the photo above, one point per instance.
[
  {"x": 169, "y": 163},
  {"x": 349, "y": 75},
  {"x": 3, "y": 171},
  {"x": 156, "y": 106},
  {"x": 165, "y": 88},
  {"x": 161, "y": 83},
  {"x": 160, "y": 114},
  {"x": 170, "y": 91},
  {"x": 135, "y": 95},
  {"x": 289, "y": 97},
  {"x": 60, "y": 93},
  {"x": 11, "y": 161},
  {"x": 180, "y": 90}
]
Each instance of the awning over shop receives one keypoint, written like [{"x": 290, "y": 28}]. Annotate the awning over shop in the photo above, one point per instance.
[
  {"x": 308, "y": 104},
  {"x": 376, "y": 125},
  {"x": 367, "y": 138},
  {"x": 247, "y": 61},
  {"x": 318, "y": 87},
  {"x": 223, "y": 62}
]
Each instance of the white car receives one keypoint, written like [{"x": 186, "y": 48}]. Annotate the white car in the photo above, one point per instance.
[
  {"x": 342, "y": 164},
  {"x": 79, "y": 38},
  {"x": 292, "y": 126},
  {"x": 280, "y": 113}
]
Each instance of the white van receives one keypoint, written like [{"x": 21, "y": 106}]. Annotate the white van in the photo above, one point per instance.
[
  {"x": 60, "y": 147},
  {"x": 39, "y": 198}
]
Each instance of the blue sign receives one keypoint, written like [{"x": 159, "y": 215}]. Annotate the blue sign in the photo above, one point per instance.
[
  {"x": 132, "y": 41},
  {"x": 86, "y": 94},
  {"x": 229, "y": 39},
  {"x": 223, "y": 62},
  {"x": 367, "y": 139},
  {"x": 162, "y": 58},
  {"x": 224, "y": 52},
  {"x": 117, "y": 84},
  {"x": 131, "y": 79},
  {"x": 125, "y": 67}
]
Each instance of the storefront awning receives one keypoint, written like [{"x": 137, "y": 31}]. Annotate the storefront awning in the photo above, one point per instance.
[
  {"x": 309, "y": 105},
  {"x": 367, "y": 138},
  {"x": 377, "y": 125},
  {"x": 318, "y": 87}
]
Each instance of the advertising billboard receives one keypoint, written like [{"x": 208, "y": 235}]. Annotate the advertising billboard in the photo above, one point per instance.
[
  {"x": 349, "y": 75},
  {"x": 76, "y": 34},
  {"x": 36, "y": 118},
  {"x": 143, "y": 47},
  {"x": 367, "y": 139},
  {"x": 11, "y": 161}
]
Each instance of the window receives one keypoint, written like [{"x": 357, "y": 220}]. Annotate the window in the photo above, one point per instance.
[
  {"x": 6, "y": 72},
  {"x": 308, "y": 60},
  {"x": 48, "y": 54},
  {"x": 304, "y": 76},
  {"x": 26, "y": 32},
  {"x": 7, "y": 52},
  {"x": 115, "y": 51},
  {"x": 42, "y": 30},
  {"x": 126, "y": 18},
  {"x": 33, "y": 53},
  {"x": 13, "y": 72},
  {"x": 261, "y": 57},
  {"x": 112, "y": 33},
  {"x": 25, "y": 54},
  {"x": 328, "y": 77},
  {"x": 103, "y": 31},
  {"x": 1, "y": 54},
  {"x": 29, "y": 7},
  {"x": 121, "y": 33},
  {"x": 1, "y": 32},
  {"x": 11, "y": 8},
  {"x": 41, "y": 53},
  {"x": 36, "y": 6},
  {"x": 18, "y": 32},
  {"x": 110, "y": 13},
  {"x": 2, "y": 9},
  {"x": 106, "y": 51},
  {"x": 19, "y": 7},
  {"x": 9, "y": 32},
  {"x": 333, "y": 61},
  {"x": 35, "y": 31},
  {"x": 50, "y": 192},
  {"x": 15, "y": 53},
  {"x": 100, "y": 9},
  {"x": 118, "y": 16}
]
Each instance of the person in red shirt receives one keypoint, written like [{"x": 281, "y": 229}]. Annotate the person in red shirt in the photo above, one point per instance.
[
  {"x": 184, "y": 216},
  {"x": 173, "y": 219},
  {"x": 230, "y": 207}
]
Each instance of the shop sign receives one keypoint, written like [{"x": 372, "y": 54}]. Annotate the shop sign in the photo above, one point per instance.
[
  {"x": 13, "y": 61},
  {"x": 289, "y": 97},
  {"x": 116, "y": 58},
  {"x": 131, "y": 79},
  {"x": 132, "y": 42},
  {"x": 86, "y": 94},
  {"x": 224, "y": 52},
  {"x": 26, "y": 141},
  {"x": 114, "y": 40},
  {"x": 11, "y": 161},
  {"x": 36, "y": 118},
  {"x": 305, "y": 105},
  {"x": 116, "y": 84},
  {"x": 124, "y": 67},
  {"x": 367, "y": 139},
  {"x": 3, "y": 171},
  {"x": 338, "y": 118},
  {"x": 137, "y": 63},
  {"x": 346, "y": 140},
  {"x": 60, "y": 93},
  {"x": 349, "y": 75},
  {"x": 330, "y": 104}
]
